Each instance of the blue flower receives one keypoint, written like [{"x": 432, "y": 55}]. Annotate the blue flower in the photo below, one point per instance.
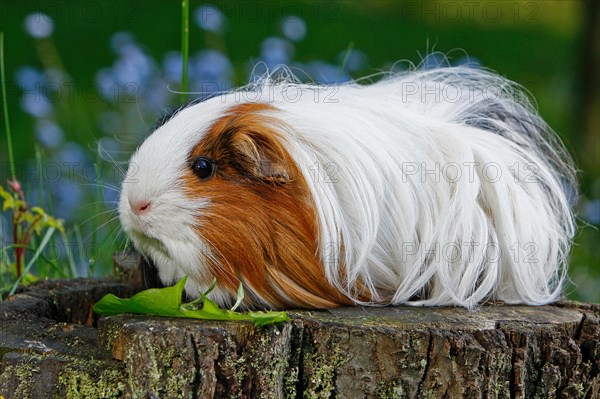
[
  {"x": 471, "y": 62},
  {"x": 72, "y": 153},
  {"x": 209, "y": 18},
  {"x": 434, "y": 60},
  {"x": 120, "y": 40},
  {"x": 30, "y": 78},
  {"x": 107, "y": 82},
  {"x": 36, "y": 104},
  {"x": 49, "y": 134},
  {"x": 276, "y": 51},
  {"x": 128, "y": 75},
  {"x": 68, "y": 196},
  {"x": 353, "y": 60},
  {"x": 172, "y": 66},
  {"x": 39, "y": 25},
  {"x": 323, "y": 72},
  {"x": 133, "y": 66},
  {"x": 210, "y": 72},
  {"x": 110, "y": 197},
  {"x": 293, "y": 27},
  {"x": 157, "y": 96}
]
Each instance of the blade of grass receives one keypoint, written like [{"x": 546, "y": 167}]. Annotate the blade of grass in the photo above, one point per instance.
[
  {"x": 199, "y": 300},
  {"x": 108, "y": 233},
  {"x": 49, "y": 205},
  {"x": 32, "y": 261},
  {"x": 9, "y": 144},
  {"x": 99, "y": 200},
  {"x": 185, "y": 47},
  {"x": 4, "y": 247},
  {"x": 81, "y": 248},
  {"x": 38, "y": 169},
  {"x": 4, "y": 258},
  {"x": 345, "y": 60},
  {"x": 69, "y": 252},
  {"x": 5, "y": 276},
  {"x": 53, "y": 264},
  {"x": 41, "y": 190}
]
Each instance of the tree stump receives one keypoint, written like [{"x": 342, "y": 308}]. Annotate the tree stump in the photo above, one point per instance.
[
  {"x": 393, "y": 352},
  {"x": 50, "y": 348}
]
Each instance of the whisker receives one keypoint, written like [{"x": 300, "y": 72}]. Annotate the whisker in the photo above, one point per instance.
[
  {"x": 106, "y": 156},
  {"x": 103, "y": 185},
  {"x": 212, "y": 257},
  {"x": 119, "y": 236},
  {"x": 137, "y": 106},
  {"x": 100, "y": 226},
  {"x": 113, "y": 205},
  {"x": 97, "y": 216}
]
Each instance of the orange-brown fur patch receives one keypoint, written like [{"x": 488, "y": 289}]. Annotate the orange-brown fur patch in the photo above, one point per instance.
[{"x": 261, "y": 223}]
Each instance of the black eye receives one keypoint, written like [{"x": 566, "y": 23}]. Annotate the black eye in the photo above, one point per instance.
[{"x": 203, "y": 167}]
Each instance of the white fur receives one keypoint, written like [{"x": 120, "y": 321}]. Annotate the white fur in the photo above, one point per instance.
[
  {"x": 380, "y": 161},
  {"x": 166, "y": 233}
]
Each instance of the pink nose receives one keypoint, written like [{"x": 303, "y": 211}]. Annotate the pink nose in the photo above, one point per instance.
[{"x": 139, "y": 207}]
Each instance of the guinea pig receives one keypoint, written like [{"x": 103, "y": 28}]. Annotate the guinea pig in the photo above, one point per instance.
[{"x": 429, "y": 187}]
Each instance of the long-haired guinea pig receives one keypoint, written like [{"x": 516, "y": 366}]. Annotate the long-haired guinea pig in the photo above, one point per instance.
[{"x": 432, "y": 187}]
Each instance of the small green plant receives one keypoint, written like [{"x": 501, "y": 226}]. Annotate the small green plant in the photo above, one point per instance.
[
  {"x": 166, "y": 302},
  {"x": 27, "y": 222}
]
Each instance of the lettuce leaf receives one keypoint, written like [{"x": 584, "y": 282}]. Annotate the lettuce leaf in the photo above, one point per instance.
[{"x": 167, "y": 302}]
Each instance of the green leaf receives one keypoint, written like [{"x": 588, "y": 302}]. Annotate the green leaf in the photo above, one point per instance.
[
  {"x": 167, "y": 302},
  {"x": 211, "y": 288},
  {"x": 29, "y": 279},
  {"x": 56, "y": 223},
  {"x": 5, "y": 194},
  {"x": 10, "y": 202},
  {"x": 157, "y": 301},
  {"x": 240, "y": 297},
  {"x": 38, "y": 210}
]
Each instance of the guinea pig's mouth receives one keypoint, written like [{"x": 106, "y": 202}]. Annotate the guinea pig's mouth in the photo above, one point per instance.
[{"x": 144, "y": 242}]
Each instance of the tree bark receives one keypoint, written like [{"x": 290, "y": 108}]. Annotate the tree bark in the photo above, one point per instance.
[
  {"x": 399, "y": 352},
  {"x": 50, "y": 348}
]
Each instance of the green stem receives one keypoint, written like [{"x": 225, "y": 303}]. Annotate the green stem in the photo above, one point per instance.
[
  {"x": 81, "y": 248},
  {"x": 27, "y": 235},
  {"x": 185, "y": 47},
  {"x": 18, "y": 250},
  {"x": 69, "y": 252},
  {"x": 11, "y": 157}
]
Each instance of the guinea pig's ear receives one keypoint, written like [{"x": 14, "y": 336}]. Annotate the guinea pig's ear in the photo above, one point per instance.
[{"x": 263, "y": 156}]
